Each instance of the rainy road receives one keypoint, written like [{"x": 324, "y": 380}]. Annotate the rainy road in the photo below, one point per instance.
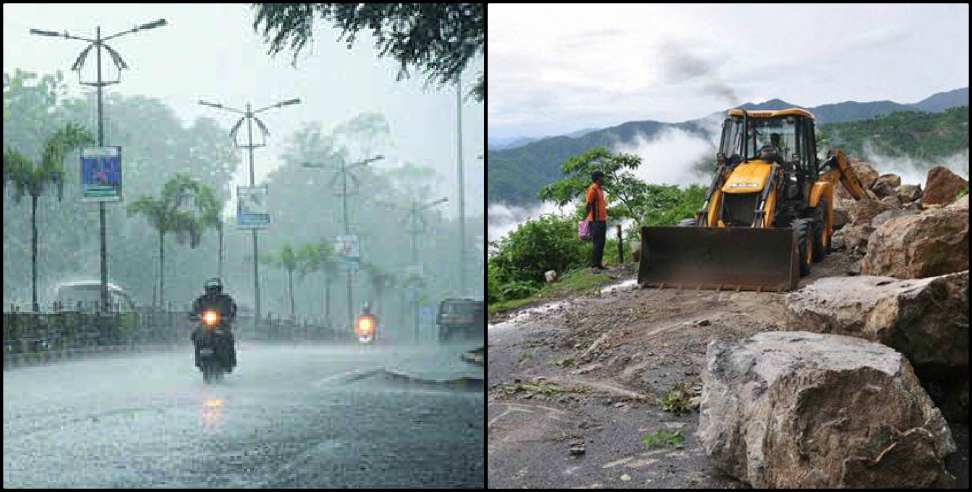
[{"x": 287, "y": 417}]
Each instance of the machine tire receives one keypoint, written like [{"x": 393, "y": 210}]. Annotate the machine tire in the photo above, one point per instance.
[
  {"x": 687, "y": 222},
  {"x": 820, "y": 250},
  {"x": 803, "y": 231}
]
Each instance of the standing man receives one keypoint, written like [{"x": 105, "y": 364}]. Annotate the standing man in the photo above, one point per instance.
[{"x": 597, "y": 214}]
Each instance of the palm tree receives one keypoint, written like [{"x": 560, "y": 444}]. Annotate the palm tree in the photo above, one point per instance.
[
  {"x": 319, "y": 257},
  {"x": 168, "y": 214},
  {"x": 380, "y": 281},
  {"x": 288, "y": 260},
  {"x": 35, "y": 179}
]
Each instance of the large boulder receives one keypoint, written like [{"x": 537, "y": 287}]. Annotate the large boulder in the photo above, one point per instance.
[
  {"x": 925, "y": 319},
  {"x": 808, "y": 410},
  {"x": 864, "y": 210},
  {"x": 890, "y": 214},
  {"x": 892, "y": 201},
  {"x": 942, "y": 186},
  {"x": 886, "y": 185},
  {"x": 909, "y": 193},
  {"x": 853, "y": 237},
  {"x": 841, "y": 218},
  {"x": 934, "y": 242},
  {"x": 866, "y": 173},
  {"x": 961, "y": 203}
]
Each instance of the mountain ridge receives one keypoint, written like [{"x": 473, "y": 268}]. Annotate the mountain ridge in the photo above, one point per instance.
[{"x": 516, "y": 173}]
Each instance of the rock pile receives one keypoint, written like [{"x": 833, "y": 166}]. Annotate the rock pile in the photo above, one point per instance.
[{"x": 848, "y": 397}]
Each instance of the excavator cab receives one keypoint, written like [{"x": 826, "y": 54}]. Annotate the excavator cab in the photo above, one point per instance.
[{"x": 767, "y": 215}]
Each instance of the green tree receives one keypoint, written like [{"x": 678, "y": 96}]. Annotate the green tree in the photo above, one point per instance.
[
  {"x": 381, "y": 280},
  {"x": 285, "y": 258},
  {"x": 628, "y": 196},
  {"x": 438, "y": 39},
  {"x": 319, "y": 257},
  {"x": 169, "y": 214},
  {"x": 34, "y": 179}
]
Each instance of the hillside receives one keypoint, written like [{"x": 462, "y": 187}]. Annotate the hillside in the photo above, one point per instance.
[
  {"x": 913, "y": 134},
  {"x": 516, "y": 174}
]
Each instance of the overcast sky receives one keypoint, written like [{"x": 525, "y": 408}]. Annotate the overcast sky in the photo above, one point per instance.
[
  {"x": 554, "y": 69},
  {"x": 210, "y": 51}
]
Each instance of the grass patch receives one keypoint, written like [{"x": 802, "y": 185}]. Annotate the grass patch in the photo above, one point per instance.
[
  {"x": 663, "y": 438},
  {"x": 680, "y": 399},
  {"x": 580, "y": 281},
  {"x": 539, "y": 387}
]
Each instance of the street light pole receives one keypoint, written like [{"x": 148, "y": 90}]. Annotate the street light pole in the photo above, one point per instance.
[
  {"x": 345, "y": 170},
  {"x": 98, "y": 43},
  {"x": 462, "y": 211},
  {"x": 415, "y": 226},
  {"x": 248, "y": 115}
]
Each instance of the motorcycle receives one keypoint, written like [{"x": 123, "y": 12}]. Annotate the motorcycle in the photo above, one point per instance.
[
  {"x": 209, "y": 344},
  {"x": 365, "y": 328}
]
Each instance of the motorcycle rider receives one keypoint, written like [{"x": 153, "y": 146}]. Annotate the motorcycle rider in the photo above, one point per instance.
[{"x": 214, "y": 299}]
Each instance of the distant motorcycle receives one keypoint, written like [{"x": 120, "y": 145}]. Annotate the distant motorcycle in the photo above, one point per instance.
[
  {"x": 365, "y": 328},
  {"x": 211, "y": 342}
]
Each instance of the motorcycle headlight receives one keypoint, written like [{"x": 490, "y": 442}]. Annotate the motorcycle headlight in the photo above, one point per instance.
[
  {"x": 366, "y": 324},
  {"x": 210, "y": 318}
]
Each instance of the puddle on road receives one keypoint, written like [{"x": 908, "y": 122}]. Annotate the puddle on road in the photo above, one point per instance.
[{"x": 630, "y": 284}]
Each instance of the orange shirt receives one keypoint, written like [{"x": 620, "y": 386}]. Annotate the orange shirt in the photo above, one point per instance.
[{"x": 594, "y": 192}]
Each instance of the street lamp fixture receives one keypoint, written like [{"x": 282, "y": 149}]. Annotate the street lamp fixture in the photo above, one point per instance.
[
  {"x": 248, "y": 116},
  {"x": 99, "y": 43}
]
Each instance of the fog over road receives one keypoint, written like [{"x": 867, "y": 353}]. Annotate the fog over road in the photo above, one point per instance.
[{"x": 310, "y": 416}]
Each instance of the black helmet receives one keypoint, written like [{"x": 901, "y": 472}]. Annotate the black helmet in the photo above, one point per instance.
[{"x": 214, "y": 286}]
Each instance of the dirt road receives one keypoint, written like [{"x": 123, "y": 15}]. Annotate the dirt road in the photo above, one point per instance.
[{"x": 575, "y": 385}]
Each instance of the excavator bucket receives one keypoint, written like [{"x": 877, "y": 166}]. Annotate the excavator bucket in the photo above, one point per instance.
[{"x": 731, "y": 258}]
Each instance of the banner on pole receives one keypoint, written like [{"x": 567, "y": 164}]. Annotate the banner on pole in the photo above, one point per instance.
[
  {"x": 348, "y": 250},
  {"x": 101, "y": 179},
  {"x": 251, "y": 207}
]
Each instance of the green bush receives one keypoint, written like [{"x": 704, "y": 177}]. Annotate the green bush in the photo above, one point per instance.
[
  {"x": 546, "y": 243},
  {"x": 493, "y": 283},
  {"x": 517, "y": 290}
]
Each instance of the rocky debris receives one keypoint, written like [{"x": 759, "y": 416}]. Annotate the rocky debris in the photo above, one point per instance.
[
  {"x": 852, "y": 238},
  {"x": 841, "y": 218},
  {"x": 892, "y": 201},
  {"x": 864, "y": 210},
  {"x": 942, "y": 186},
  {"x": 550, "y": 276},
  {"x": 865, "y": 172},
  {"x": 886, "y": 185},
  {"x": 890, "y": 214},
  {"x": 934, "y": 242},
  {"x": 924, "y": 319},
  {"x": 909, "y": 193},
  {"x": 800, "y": 409},
  {"x": 961, "y": 203}
]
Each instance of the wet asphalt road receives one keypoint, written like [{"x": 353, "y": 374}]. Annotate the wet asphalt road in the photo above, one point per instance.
[{"x": 287, "y": 417}]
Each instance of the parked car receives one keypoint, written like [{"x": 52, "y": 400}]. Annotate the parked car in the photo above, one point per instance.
[
  {"x": 461, "y": 318},
  {"x": 85, "y": 295}
]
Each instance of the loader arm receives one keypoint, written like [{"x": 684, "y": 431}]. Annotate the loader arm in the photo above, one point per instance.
[{"x": 841, "y": 171}]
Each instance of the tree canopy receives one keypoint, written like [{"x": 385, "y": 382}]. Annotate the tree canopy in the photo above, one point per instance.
[{"x": 438, "y": 39}]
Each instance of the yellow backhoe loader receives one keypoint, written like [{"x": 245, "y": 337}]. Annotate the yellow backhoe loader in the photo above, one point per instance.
[{"x": 767, "y": 216}]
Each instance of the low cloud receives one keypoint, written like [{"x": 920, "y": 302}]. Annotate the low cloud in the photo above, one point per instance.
[
  {"x": 502, "y": 219},
  {"x": 914, "y": 171},
  {"x": 670, "y": 156}
]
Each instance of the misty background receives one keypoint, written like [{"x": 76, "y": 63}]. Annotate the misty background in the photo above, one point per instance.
[
  {"x": 655, "y": 80},
  {"x": 350, "y": 103}
]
